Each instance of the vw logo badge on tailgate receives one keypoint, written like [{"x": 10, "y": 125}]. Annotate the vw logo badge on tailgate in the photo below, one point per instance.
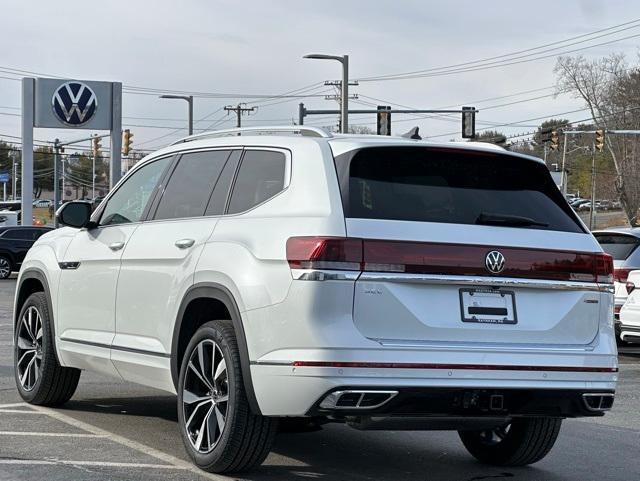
[
  {"x": 74, "y": 103},
  {"x": 494, "y": 262}
]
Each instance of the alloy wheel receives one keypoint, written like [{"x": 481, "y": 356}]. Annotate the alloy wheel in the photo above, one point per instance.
[
  {"x": 29, "y": 347},
  {"x": 5, "y": 268},
  {"x": 494, "y": 436},
  {"x": 205, "y": 396}
]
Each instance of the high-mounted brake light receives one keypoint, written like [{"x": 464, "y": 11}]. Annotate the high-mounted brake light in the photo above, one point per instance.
[{"x": 373, "y": 255}]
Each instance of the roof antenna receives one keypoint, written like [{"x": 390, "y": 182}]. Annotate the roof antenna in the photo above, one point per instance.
[{"x": 412, "y": 134}]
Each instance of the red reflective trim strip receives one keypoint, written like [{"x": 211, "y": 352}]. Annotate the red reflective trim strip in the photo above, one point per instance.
[{"x": 479, "y": 367}]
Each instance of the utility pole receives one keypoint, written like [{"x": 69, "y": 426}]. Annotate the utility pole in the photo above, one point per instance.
[
  {"x": 56, "y": 186},
  {"x": 15, "y": 175},
  {"x": 565, "y": 178},
  {"x": 592, "y": 213},
  {"x": 239, "y": 110}
]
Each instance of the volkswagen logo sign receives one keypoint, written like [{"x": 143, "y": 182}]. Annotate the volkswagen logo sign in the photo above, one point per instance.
[
  {"x": 74, "y": 103},
  {"x": 494, "y": 262}
]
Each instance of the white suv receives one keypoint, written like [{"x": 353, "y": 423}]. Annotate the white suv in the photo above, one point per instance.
[{"x": 383, "y": 282}]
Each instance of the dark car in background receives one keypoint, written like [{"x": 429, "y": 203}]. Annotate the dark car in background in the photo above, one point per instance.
[{"x": 15, "y": 241}]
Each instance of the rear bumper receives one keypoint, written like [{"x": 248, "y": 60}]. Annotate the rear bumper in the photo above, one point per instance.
[
  {"x": 307, "y": 386},
  {"x": 469, "y": 403},
  {"x": 629, "y": 333}
]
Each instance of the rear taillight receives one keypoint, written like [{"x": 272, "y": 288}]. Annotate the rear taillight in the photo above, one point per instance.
[
  {"x": 630, "y": 287},
  {"x": 338, "y": 253},
  {"x": 372, "y": 255},
  {"x": 621, "y": 275}
]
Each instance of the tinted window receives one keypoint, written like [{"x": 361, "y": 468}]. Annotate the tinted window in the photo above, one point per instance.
[
  {"x": 188, "y": 190},
  {"x": 619, "y": 246},
  {"x": 453, "y": 186},
  {"x": 22, "y": 234},
  {"x": 218, "y": 200},
  {"x": 127, "y": 204},
  {"x": 261, "y": 176}
]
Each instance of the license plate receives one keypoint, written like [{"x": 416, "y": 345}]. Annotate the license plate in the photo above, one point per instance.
[{"x": 488, "y": 306}]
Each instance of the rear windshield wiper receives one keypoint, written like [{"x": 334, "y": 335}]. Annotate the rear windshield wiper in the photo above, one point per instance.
[{"x": 487, "y": 218}]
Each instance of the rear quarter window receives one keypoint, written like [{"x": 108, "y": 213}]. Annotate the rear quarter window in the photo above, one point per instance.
[{"x": 424, "y": 184}]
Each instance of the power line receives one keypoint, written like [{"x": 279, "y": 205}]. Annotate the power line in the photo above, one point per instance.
[{"x": 486, "y": 61}]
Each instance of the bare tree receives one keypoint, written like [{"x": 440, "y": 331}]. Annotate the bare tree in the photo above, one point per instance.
[{"x": 608, "y": 91}]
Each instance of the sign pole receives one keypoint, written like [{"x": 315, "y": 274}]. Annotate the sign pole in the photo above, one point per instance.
[
  {"x": 28, "y": 89},
  {"x": 115, "y": 170}
]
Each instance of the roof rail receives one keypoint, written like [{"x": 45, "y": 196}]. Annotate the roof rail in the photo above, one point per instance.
[{"x": 275, "y": 130}]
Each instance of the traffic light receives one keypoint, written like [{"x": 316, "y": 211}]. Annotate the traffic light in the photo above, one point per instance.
[
  {"x": 384, "y": 120},
  {"x": 126, "y": 141},
  {"x": 468, "y": 122},
  {"x": 96, "y": 146},
  {"x": 600, "y": 140},
  {"x": 554, "y": 140}
]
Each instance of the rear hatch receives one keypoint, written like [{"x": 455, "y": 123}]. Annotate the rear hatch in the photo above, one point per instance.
[{"x": 465, "y": 246}]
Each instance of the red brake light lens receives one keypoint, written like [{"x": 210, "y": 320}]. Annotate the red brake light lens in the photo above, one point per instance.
[
  {"x": 621, "y": 275},
  {"x": 339, "y": 253}
]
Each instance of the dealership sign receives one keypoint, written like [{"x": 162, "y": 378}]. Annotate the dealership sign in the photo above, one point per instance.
[{"x": 73, "y": 104}]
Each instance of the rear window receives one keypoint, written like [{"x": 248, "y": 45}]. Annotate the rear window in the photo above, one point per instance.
[
  {"x": 619, "y": 246},
  {"x": 452, "y": 186}
]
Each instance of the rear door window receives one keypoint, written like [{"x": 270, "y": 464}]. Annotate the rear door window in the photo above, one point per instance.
[
  {"x": 456, "y": 186},
  {"x": 260, "y": 177},
  {"x": 619, "y": 246},
  {"x": 189, "y": 187}
]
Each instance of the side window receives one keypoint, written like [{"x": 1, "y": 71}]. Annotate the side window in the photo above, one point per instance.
[
  {"x": 189, "y": 188},
  {"x": 20, "y": 234},
  {"x": 261, "y": 176},
  {"x": 128, "y": 203},
  {"x": 218, "y": 200}
]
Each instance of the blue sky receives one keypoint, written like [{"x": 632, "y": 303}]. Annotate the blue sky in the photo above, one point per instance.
[{"x": 254, "y": 47}]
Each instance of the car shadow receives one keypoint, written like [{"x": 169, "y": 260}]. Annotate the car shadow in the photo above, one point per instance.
[{"x": 162, "y": 407}]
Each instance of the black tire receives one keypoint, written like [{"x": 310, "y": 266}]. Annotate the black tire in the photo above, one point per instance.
[
  {"x": 6, "y": 267},
  {"x": 524, "y": 441},
  {"x": 49, "y": 384},
  {"x": 245, "y": 439}
]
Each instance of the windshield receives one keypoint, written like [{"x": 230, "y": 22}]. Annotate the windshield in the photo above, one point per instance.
[{"x": 452, "y": 185}]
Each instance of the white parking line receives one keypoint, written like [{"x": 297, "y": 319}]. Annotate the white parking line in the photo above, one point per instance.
[
  {"x": 20, "y": 411},
  {"x": 167, "y": 458},
  {"x": 55, "y": 435},
  {"x": 13, "y": 405},
  {"x": 89, "y": 463}
]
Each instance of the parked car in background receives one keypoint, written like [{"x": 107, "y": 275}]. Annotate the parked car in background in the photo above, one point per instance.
[
  {"x": 630, "y": 311},
  {"x": 14, "y": 244},
  {"x": 583, "y": 206},
  {"x": 42, "y": 203},
  {"x": 622, "y": 244}
]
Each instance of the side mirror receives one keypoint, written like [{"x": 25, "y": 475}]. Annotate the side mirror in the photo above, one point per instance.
[{"x": 74, "y": 214}]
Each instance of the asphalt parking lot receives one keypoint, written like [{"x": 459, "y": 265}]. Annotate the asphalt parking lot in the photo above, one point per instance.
[{"x": 113, "y": 430}]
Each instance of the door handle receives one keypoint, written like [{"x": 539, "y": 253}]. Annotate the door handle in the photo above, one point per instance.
[
  {"x": 185, "y": 243},
  {"x": 116, "y": 246}
]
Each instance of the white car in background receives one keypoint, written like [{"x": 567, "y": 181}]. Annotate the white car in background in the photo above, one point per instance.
[{"x": 630, "y": 312}]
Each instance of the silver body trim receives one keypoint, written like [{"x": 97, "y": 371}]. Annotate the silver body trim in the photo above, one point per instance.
[
  {"x": 279, "y": 129},
  {"x": 476, "y": 281}
]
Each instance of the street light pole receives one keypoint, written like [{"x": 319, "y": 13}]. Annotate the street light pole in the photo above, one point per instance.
[
  {"x": 344, "y": 100},
  {"x": 189, "y": 99}
]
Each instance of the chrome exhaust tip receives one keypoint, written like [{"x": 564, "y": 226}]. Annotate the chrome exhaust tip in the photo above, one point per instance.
[
  {"x": 598, "y": 402},
  {"x": 357, "y": 399}
]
